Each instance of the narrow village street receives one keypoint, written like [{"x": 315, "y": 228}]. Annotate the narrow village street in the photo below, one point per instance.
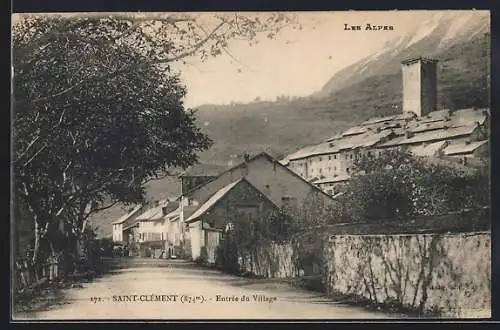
[{"x": 180, "y": 290}]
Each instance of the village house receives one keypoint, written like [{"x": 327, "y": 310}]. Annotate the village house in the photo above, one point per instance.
[
  {"x": 239, "y": 199},
  {"x": 269, "y": 185},
  {"x": 458, "y": 135},
  {"x": 147, "y": 231},
  {"x": 123, "y": 222}
]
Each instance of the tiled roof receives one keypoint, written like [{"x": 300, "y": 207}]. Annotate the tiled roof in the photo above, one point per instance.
[
  {"x": 171, "y": 206},
  {"x": 355, "y": 130},
  {"x": 154, "y": 213},
  {"x": 463, "y": 147},
  {"x": 376, "y": 120},
  {"x": 212, "y": 200},
  {"x": 365, "y": 140},
  {"x": 393, "y": 119},
  {"x": 348, "y": 142},
  {"x": 432, "y": 116},
  {"x": 465, "y": 117},
  {"x": 437, "y": 125},
  {"x": 431, "y": 136},
  {"x": 128, "y": 215},
  {"x": 429, "y": 126},
  {"x": 335, "y": 137},
  {"x": 338, "y": 178},
  {"x": 311, "y": 150},
  {"x": 428, "y": 150}
]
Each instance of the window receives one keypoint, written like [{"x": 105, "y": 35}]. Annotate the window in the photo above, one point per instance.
[
  {"x": 347, "y": 170},
  {"x": 334, "y": 156},
  {"x": 329, "y": 157},
  {"x": 350, "y": 156},
  {"x": 335, "y": 168},
  {"x": 320, "y": 170},
  {"x": 369, "y": 153},
  {"x": 320, "y": 159}
]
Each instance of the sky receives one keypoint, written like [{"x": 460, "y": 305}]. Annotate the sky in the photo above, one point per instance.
[{"x": 297, "y": 62}]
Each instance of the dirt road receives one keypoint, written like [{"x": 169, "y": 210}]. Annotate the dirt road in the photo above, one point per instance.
[{"x": 179, "y": 290}]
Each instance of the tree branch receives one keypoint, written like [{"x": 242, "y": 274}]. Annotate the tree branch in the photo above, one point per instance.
[
  {"x": 66, "y": 90},
  {"x": 108, "y": 75},
  {"x": 34, "y": 156},
  {"x": 99, "y": 209},
  {"x": 28, "y": 147},
  {"x": 166, "y": 174},
  {"x": 225, "y": 49}
]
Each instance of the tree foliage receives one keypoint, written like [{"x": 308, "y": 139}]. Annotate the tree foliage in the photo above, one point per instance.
[
  {"x": 97, "y": 110},
  {"x": 398, "y": 186}
]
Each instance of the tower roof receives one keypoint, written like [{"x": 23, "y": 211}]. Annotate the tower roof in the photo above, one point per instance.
[{"x": 417, "y": 59}]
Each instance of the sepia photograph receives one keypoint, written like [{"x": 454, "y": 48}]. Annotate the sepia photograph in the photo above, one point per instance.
[{"x": 321, "y": 165}]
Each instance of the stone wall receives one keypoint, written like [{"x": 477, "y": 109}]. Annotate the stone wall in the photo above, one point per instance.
[
  {"x": 446, "y": 273},
  {"x": 273, "y": 261}
]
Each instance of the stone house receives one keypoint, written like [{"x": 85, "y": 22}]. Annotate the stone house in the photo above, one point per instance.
[
  {"x": 275, "y": 183},
  {"x": 237, "y": 200},
  {"x": 421, "y": 128}
]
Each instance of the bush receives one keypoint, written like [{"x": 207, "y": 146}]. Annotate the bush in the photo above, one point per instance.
[
  {"x": 399, "y": 186},
  {"x": 226, "y": 257}
]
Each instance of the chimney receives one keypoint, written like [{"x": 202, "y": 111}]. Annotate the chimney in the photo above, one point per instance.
[
  {"x": 246, "y": 157},
  {"x": 408, "y": 134},
  {"x": 419, "y": 85}
]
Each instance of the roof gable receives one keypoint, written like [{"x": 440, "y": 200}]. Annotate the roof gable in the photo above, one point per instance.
[
  {"x": 219, "y": 195},
  {"x": 128, "y": 215},
  {"x": 203, "y": 193}
]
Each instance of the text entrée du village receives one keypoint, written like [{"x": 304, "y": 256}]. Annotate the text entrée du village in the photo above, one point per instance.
[{"x": 185, "y": 298}]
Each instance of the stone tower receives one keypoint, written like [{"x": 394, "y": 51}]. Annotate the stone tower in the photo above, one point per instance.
[{"x": 419, "y": 85}]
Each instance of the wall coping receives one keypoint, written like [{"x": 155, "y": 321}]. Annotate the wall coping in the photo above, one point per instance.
[{"x": 476, "y": 233}]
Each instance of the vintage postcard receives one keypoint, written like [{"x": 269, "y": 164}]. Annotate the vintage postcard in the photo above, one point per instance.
[{"x": 250, "y": 166}]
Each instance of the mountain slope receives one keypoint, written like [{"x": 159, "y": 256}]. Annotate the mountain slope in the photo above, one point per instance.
[
  {"x": 365, "y": 89},
  {"x": 434, "y": 37}
]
